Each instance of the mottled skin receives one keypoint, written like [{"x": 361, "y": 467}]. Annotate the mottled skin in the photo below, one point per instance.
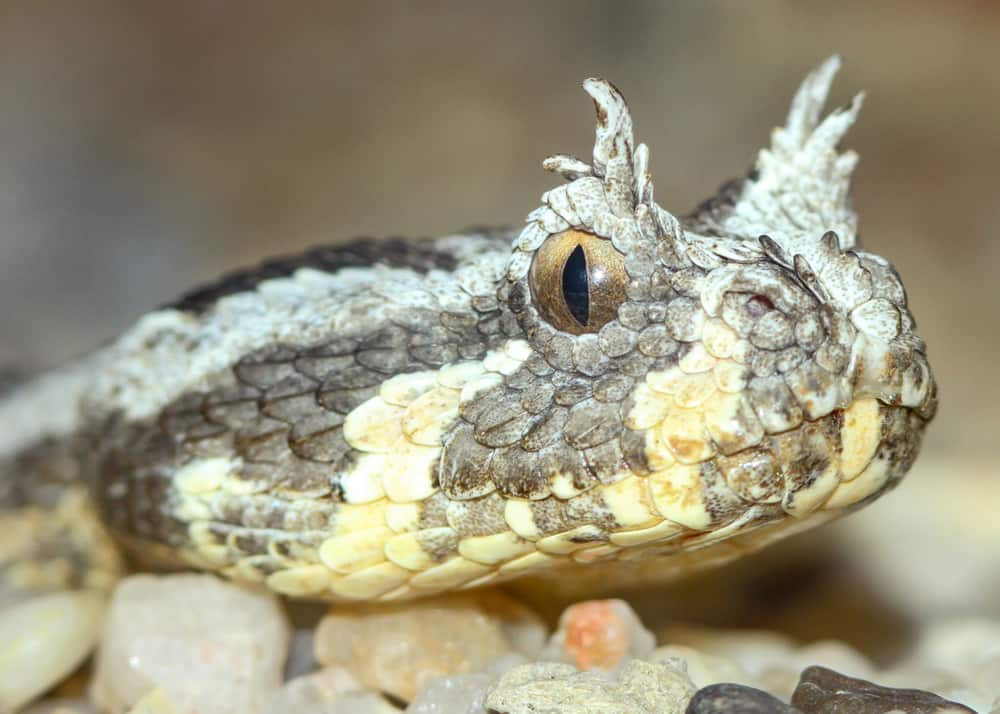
[{"x": 388, "y": 419}]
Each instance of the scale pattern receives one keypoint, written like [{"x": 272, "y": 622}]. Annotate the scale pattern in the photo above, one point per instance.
[{"x": 389, "y": 420}]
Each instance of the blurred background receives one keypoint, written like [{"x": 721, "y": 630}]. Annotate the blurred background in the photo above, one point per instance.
[{"x": 145, "y": 147}]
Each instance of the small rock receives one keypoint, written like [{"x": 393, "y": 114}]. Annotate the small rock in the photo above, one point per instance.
[
  {"x": 314, "y": 692},
  {"x": 558, "y": 688},
  {"x": 213, "y": 647},
  {"x": 753, "y": 650},
  {"x": 457, "y": 694},
  {"x": 599, "y": 634},
  {"x": 824, "y": 691},
  {"x": 704, "y": 669},
  {"x": 958, "y": 643},
  {"x": 782, "y": 677},
  {"x": 399, "y": 649},
  {"x": 736, "y": 699},
  {"x": 461, "y": 693},
  {"x": 43, "y": 639}
]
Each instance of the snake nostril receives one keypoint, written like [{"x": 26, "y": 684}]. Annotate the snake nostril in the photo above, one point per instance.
[{"x": 758, "y": 305}]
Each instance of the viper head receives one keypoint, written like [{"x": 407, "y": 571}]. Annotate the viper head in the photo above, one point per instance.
[{"x": 754, "y": 338}]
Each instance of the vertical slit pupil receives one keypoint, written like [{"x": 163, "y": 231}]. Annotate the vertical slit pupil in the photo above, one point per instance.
[{"x": 576, "y": 289}]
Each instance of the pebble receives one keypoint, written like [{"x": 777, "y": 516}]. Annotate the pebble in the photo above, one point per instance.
[
  {"x": 781, "y": 677},
  {"x": 752, "y": 650},
  {"x": 824, "y": 691},
  {"x": 736, "y": 699},
  {"x": 461, "y": 693},
  {"x": 704, "y": 669},
  {"x": 559, "y": 688},
  {"x": 329, "y": 691},
  {"x": 212, "y": 647},
  {"x": 43, "y": 639},
  {"x": 313, "y": 691},
  {"x": 457, "y": 694},
  {"x": 399, "y": 649},
  {"x": 599, "y": 634}
]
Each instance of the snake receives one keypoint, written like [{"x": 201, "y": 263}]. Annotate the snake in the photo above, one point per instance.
[{"x": 611, "y": 391}]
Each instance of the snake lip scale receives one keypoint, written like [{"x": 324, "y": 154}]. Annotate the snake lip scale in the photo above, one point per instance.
[{"x": 611, "y": 394}]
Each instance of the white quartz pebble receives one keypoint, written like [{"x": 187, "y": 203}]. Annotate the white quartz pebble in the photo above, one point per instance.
[
  {"x": 212, "y": 647},
  {"x": 44, "y": 639}
]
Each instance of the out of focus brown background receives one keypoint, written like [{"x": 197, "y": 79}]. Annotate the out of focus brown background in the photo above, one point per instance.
[{"x": 147, "y": 146}]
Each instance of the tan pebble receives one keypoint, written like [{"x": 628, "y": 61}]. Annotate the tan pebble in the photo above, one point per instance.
[
  {"x": 42, "y": 640},
  {"x": 399, "y": 648}
]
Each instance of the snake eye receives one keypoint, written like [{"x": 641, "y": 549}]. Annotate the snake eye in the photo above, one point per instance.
[{"x": 577, "y": 281}]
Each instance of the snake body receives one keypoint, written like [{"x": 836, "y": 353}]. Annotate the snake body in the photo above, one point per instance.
[{"x": 389, "y": 419}]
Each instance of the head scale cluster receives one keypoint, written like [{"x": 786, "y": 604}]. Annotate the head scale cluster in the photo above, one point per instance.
[{"x": 786, "y": 232}]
